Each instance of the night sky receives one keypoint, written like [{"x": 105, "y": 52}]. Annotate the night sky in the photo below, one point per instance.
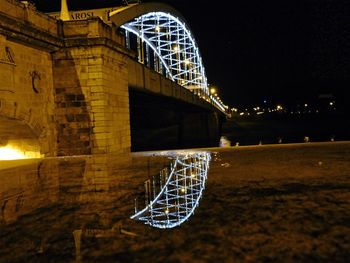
[{"x": 279, "y": 51}]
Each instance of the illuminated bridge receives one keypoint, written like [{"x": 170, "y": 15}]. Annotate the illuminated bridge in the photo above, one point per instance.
[
  {"x": 162, "y": 40},
  {"x": 102, "y": 81},
  {"x": 165, "y": 44}
]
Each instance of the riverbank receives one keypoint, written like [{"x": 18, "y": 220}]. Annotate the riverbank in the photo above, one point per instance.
[{"x": 278, "y": 203}]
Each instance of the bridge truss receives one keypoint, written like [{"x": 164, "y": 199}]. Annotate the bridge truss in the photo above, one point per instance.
[
  {"x": 171, "y": 198},
  {"x": 165, "y": 44}
]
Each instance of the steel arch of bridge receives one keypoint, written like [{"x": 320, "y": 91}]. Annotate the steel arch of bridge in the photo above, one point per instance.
[
  {"x": 166, "y": 44},
  {"x": 174, "y": 46}
]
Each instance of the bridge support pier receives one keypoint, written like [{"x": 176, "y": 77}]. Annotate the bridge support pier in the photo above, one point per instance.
[
  {"x": 92, "y": 101},
  {"x": 92, "y": 106}
]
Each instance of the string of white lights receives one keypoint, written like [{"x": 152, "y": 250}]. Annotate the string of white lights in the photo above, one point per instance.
[
  {"x": 174, "y": 50},
  {"x": 171, "y": 198}
]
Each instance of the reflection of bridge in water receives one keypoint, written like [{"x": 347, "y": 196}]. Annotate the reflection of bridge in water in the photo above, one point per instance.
[
  {"x": 56, "y": 206},
  {"x": 171, "y": 198}
]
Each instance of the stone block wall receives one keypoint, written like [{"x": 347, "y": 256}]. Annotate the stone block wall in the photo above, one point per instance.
[
  {"x": 117, "y": 118},
  {"x": 28, "y": 13},
  {"x": 91, "y": 95},
  {"x": 73, "y": 122},
  {"x": 26, "y": 98},
  {"x": 66, "y": 81}
]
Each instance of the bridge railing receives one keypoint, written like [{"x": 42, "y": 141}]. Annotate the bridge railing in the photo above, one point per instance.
[{"x": 146, "y": 79}]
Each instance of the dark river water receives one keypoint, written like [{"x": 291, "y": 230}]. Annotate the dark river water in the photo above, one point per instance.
[{"x": 274, "y": 129}]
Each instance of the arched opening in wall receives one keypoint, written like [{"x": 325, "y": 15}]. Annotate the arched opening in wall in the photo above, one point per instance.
[{"x": 17, "y": 140}]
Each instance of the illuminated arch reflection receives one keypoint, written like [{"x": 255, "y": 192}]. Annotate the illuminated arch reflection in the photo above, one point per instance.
[{"x": 171, "y": 198}]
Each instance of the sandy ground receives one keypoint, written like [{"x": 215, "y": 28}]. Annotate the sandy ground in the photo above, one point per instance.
[{"x": 281, "y": 203}]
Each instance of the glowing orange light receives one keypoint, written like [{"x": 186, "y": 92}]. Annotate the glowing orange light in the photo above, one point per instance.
[
  {"x": 12, "y": 153},
  {"x": 7, "y": 153}
]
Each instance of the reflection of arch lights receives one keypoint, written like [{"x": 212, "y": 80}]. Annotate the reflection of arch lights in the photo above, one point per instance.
[{"x": 172, "y": 198}]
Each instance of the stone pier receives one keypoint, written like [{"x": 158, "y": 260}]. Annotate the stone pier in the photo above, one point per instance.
[{"x": 65, "y": 84}]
